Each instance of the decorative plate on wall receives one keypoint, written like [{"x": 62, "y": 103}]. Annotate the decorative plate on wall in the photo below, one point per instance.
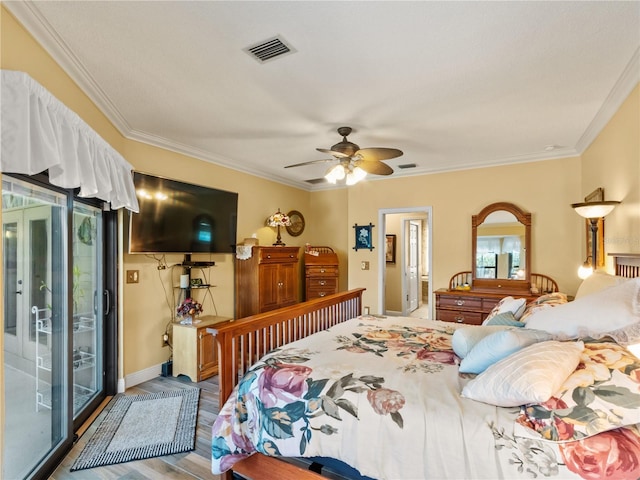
[{"x": 297, "y": 223}]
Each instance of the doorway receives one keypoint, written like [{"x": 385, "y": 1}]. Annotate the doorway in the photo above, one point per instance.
[
  {"x": 403, "y": 277},
  {"x": 55, "y": 271}
]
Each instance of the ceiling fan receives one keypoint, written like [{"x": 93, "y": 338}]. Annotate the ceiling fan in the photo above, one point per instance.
[{"x": 355, "y": 162}]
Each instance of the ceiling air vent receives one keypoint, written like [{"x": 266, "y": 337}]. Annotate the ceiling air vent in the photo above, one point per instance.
[
  {"x": 315, "y": 181},
  {"x": 269, "y": 49},
  {"x": 407, "y": 165}
]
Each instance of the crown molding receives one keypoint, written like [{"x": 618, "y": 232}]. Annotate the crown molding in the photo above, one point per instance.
[
  {"x": 619, "y": 93},
  {"x": 199, "y": 154},
  {"x": 34, "y": 22}
]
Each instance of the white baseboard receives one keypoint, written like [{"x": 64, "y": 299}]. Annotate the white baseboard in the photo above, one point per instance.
[
  {"x": 393, "y": 313},
  {"x": 142, "y": 376},
  {"x": 121, "y": 387}
]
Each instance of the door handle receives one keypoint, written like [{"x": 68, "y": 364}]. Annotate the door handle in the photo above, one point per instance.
[
  {"x": 107, "y": 302},
  {"x": 19, "y": 292}
]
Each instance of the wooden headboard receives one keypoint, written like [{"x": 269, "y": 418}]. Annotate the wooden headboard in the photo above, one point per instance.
[{"x": 626, "y": 264}]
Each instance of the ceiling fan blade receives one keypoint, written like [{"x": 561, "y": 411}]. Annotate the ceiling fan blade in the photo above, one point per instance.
[
  {"x": 375, "y": 167},
  {"x": 324, "y": 160},
  {"x": 378, "y": 153},
  {"x": 333, "y": 152}
]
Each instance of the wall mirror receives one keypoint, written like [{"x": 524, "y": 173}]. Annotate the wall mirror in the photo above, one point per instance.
[{"x": 501, "y": 248}]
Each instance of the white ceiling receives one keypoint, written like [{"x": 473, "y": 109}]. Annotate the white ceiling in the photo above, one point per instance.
[{"x": 454, "y": 85}]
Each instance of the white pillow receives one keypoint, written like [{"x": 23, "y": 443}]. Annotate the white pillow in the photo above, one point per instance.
[
  {"x": 499, "y": 345},
  {"x": 592, "y": 315},
  {"x": 465, "y": 338},
  {"x": 598, "y": 281},
  {"x": 508, "y": 304},
  {"x": 531, "y": 375}
]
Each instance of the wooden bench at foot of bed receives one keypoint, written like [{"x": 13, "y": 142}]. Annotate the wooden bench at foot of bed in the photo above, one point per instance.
[{"x": 243, "y": 342}]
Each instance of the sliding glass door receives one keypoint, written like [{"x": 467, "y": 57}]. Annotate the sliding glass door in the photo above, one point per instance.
[{"x": 54, "y": 291}]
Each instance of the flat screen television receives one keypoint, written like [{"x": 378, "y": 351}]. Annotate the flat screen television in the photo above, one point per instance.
[{"x": 178, "y": 217}]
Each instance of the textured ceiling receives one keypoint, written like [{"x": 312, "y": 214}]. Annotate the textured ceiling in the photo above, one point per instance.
[{"x": 453, "y": 84}]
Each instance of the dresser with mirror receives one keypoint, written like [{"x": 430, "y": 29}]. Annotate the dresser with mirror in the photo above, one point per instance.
[{"x": 501, "y": 260}]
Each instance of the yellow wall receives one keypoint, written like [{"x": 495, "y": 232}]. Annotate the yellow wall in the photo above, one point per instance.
[
  {"x": 546, "y": 189},
  {"x": 612, "y": 161},
  {"x": 145, "y": 311}
]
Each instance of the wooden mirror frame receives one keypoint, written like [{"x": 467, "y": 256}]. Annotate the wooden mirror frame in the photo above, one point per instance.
[{"x": 502, "y": 284}]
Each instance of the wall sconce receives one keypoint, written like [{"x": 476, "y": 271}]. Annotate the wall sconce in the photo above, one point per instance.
[
  {"x": 278, "y": 220},
  {"x": 593, "y": 211}
]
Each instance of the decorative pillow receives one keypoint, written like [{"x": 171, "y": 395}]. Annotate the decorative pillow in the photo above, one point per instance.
[
  {"x": 508, "y": 304},
  {"x": 543, "y": 302},
  {"x": 602, "y": 394},
  {"x": 465, "y": 338},
  {"x": 598, "y": 281},
  {"x": 499, "y": 345},
  {"x": 506, "y": 318},
  {"x": 592, "y": 315},
  {"x": 531, "y": 375}
]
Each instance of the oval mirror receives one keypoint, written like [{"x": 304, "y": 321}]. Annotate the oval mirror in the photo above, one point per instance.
[{"x": 501, "y": 241}]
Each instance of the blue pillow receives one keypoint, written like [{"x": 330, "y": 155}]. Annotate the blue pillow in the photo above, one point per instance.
[
  {"x": 506, "y": 318},
  {"x": 465, "y": 338},
  {"x": 499, "y": 345}
]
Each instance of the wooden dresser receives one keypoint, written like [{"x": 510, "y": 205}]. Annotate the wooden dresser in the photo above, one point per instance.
[
  {"x": 321, "y": 273},
  {"x": 470, "y": 306},
  {"x": 267, "y": 280}
]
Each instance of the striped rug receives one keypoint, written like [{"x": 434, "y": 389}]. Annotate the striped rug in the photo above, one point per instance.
[{"x": 143, "y": 426}]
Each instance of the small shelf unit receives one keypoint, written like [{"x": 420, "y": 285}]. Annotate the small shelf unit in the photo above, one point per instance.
[{"x": 84, "y": 359}]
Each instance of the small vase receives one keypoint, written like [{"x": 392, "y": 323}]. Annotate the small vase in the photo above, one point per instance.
[{"x": 186, "y": 320}]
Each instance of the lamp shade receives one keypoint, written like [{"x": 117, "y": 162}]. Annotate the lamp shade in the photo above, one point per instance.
[
  {"x": 335, "y": 173},
  {"x": 594, "y": 209},
  {"x": 355, "y": 176},
  {"x": 278, "y": 219}
]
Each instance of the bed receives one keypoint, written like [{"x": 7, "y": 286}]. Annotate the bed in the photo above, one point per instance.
[{"x": 404, "y": 398}]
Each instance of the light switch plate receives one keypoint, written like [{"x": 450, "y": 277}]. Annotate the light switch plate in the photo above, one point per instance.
[{"x": 133, "y": 276}]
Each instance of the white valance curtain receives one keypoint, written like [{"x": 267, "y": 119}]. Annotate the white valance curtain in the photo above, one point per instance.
[{"x": 40, "y": 133}]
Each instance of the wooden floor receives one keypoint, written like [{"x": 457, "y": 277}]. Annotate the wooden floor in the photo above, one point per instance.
[{"x": 189, "y": 465}]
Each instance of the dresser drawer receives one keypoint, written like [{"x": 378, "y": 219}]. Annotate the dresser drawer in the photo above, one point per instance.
[
  {"x": 460, "y": 302},
  {"x": 322, "y": 283},
  {"x": 489, "y": 303},
  {"x": 457, "y": 316},
  {"x": 278, "y": 255},
  {"x": 322, "y": 271},
  {"x": 311, "y": 293}
]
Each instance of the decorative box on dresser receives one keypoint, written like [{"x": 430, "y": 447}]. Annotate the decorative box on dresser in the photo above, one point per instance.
[
  {"x": 321, "y": 272},
  {"x": 469, "y": 306},
  {"x": 194, "y": 350},
  {"x": 267, "y": 280}
]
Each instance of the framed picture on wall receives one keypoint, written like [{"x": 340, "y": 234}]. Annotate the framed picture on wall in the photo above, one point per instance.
[
  {"x": 390, "y": 249},
  {"x": 364, "y": 236}
]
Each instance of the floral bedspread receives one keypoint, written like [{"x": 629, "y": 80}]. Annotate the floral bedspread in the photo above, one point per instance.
[{"x": 383, "y": 395}]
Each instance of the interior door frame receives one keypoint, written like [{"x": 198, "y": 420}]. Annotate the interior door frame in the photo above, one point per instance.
[{"x": 382, "y": 213}]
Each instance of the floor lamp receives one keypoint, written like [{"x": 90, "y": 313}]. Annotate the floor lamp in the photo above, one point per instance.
[{"x": 593, "y": 211}]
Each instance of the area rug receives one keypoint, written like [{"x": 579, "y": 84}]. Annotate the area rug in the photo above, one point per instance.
[{"x": 143, "y": 426}]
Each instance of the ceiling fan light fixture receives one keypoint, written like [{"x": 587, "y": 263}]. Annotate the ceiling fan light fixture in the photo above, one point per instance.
[
  {"x": 355, "y": 176},
  {"x": 335, "y": 173}
]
